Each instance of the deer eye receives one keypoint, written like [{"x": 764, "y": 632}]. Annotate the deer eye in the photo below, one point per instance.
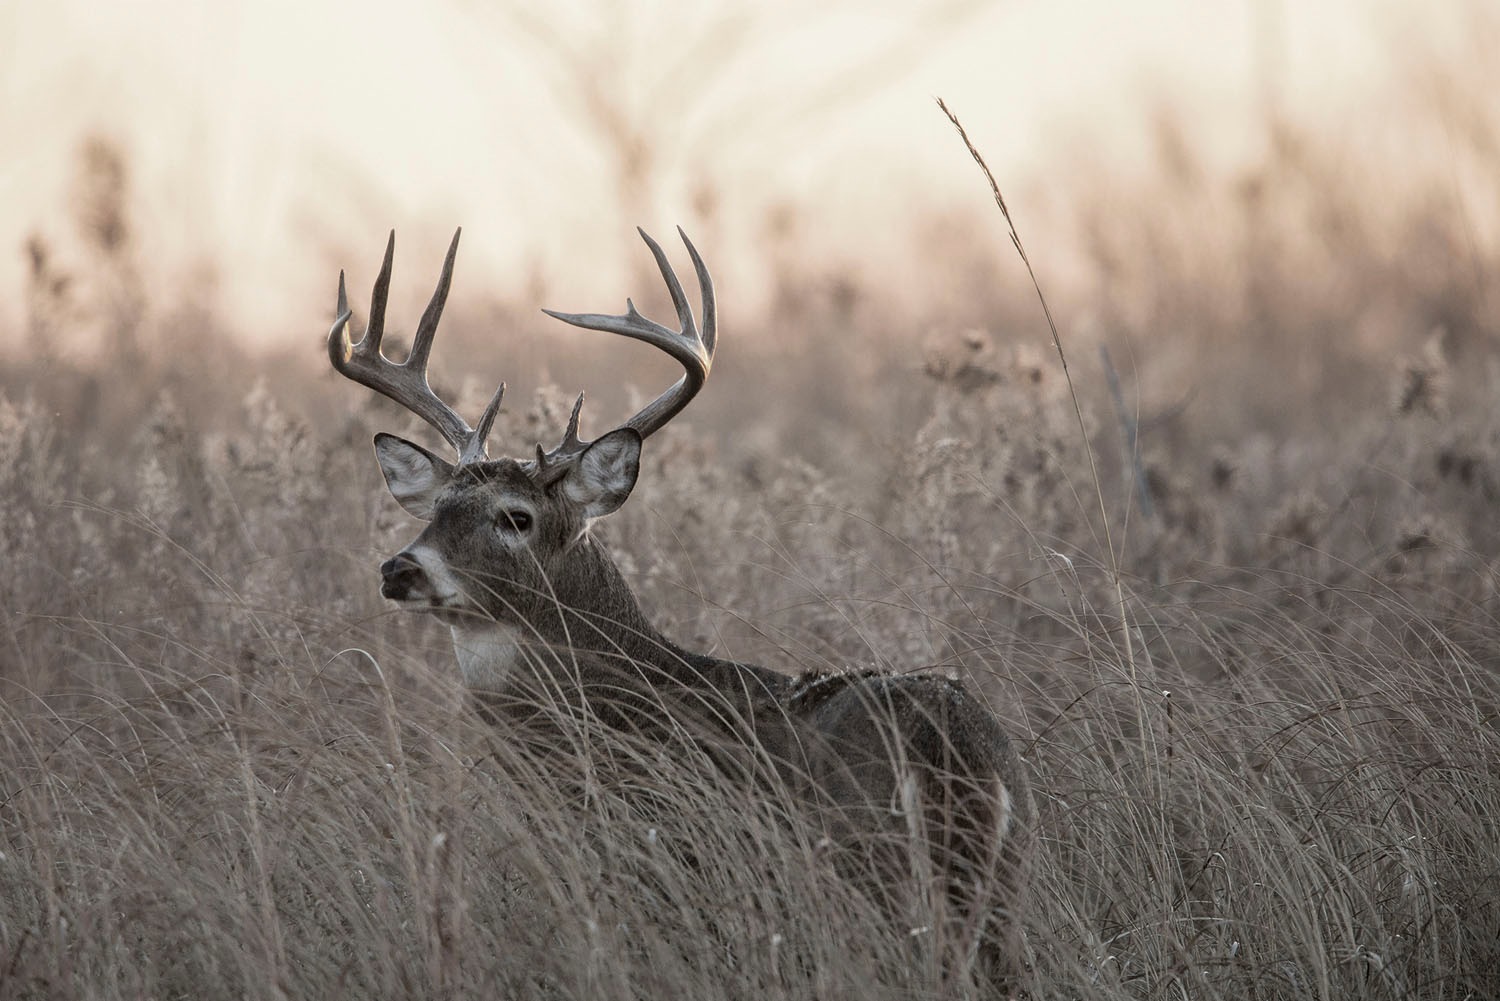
[{"x": 514, "y": 520}]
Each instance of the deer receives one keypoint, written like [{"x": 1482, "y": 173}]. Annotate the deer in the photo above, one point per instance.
[{"x": 510, "y": 562}]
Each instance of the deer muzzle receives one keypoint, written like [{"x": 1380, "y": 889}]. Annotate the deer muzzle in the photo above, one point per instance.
[{"x": 400, "y": 576}]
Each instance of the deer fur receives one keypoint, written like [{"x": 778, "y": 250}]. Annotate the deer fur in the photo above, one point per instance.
[
  {"x": 861, "y": 749},
  {"x": 541, "y": 615}
]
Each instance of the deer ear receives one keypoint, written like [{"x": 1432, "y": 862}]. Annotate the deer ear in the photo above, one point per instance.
[
  {"x": 414, "y": 475},
  {"x": 605, "y": 474}
]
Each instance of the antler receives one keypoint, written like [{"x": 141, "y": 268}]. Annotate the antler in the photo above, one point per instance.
[
  {"x": 693, "y": 350},
  {"x": 406, "y": 383}
]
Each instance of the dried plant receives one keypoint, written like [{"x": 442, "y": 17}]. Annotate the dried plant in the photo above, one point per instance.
[{"x": 225, "y": 768}]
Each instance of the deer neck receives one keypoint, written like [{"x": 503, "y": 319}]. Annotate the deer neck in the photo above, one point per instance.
[
  {"x": 594, "y": 609},
  {"x": 584, "y": 606},
  {"x": 598, "y": 613}
]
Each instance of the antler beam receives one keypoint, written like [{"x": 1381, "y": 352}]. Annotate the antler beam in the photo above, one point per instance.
[
  {"x": 406, "y": 383},
  {"x": 692, "y": 349}
]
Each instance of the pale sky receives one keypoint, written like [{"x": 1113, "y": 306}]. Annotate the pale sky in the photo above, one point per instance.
[{"x": 282, "y": 139}]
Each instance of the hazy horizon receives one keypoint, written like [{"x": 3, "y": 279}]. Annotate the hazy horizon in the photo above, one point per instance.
[{"x": 268, "y": 144}]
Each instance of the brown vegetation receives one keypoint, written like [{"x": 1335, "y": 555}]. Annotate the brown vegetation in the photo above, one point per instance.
[{"x": 227, "y": 769}]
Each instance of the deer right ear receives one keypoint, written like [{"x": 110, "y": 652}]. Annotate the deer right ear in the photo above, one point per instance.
[
  {"x": 605, "y": 474},
  {"x": 415, "y": 476}
]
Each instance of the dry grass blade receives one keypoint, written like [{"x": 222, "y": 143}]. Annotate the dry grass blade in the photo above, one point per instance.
[
  {"x": 227, "y": 770},
  {"x": 1125, "y": 628}
]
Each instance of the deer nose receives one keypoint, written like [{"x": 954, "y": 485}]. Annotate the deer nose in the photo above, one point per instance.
[{"x": 398, "y": 575}]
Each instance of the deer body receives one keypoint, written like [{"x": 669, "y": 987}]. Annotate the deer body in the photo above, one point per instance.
[{"x": 535, "y": 603}]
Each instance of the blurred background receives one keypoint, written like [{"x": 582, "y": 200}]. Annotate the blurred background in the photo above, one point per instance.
[
  {"x": 1267, "y": 212},
  {"x": 266, "y": 144},
  {"x": 1239, "y": 588}
]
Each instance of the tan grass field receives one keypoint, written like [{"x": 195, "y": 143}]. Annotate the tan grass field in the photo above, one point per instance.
[{"x": 1262, "y": 731}]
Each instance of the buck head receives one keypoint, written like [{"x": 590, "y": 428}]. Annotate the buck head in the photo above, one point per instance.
[
  {"x": 501, "y": 533},
  {"x": 507, "y": 540}
]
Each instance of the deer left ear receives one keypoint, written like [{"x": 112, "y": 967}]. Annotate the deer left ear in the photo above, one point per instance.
[
  {"x": 604, "y": 475},
  {"x": 415, "y": 475}
]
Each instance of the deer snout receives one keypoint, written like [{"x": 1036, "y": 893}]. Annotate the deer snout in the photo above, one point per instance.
[{"x": 399, "y": 575}]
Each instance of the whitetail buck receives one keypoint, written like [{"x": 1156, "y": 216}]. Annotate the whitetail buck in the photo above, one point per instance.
[{"x": 508, "y": 562}]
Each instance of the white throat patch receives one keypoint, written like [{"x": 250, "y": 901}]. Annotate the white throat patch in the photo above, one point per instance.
[{"x": 487, "y": 654}]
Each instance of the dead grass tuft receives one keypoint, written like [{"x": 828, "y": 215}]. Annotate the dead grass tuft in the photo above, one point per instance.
[{"x": 225, "y": 768}]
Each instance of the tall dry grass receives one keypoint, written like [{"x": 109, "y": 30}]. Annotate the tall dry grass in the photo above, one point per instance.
[{"x": 227, "y": 769}]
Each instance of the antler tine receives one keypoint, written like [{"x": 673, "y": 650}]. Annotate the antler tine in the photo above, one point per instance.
[
  {"x": 674, "y": 287},
  {"x": 474, "y": 450},
  {"x": 375, "y": 325},
  {"x": 421, "y": 345},
  {"x": 692, "y": 349},
  {"x": 706, "y": 288},
  {"x": 550, "y": 465},
  {"x": 340, "y": 348},
  {"x": 406, "y": 383}
]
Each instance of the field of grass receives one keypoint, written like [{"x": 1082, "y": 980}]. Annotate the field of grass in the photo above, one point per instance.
[{"x": 1263, "y": 731}]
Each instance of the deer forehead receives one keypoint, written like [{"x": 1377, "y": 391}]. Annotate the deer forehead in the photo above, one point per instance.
[{"x": 490, "y": 485}]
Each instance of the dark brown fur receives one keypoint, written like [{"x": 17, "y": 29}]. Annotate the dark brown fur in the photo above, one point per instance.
[{"x": 881, "y": 761}]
